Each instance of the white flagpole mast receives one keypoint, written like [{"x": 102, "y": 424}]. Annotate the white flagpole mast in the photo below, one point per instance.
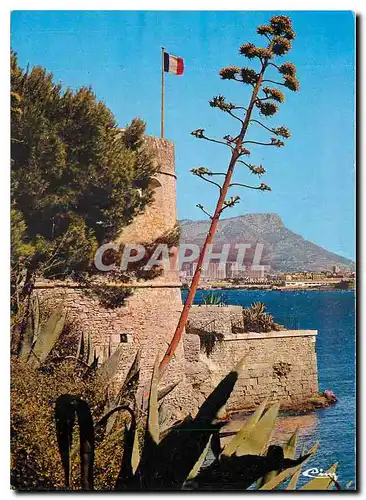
[{"x": 162, "y": 93}]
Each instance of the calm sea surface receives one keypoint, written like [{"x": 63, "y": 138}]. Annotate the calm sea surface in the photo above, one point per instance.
[{"x": 332, "y": 313}]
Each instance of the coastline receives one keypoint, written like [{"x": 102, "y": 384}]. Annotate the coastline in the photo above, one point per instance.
[
  {"x": 287, "y": 409},
  {"x": 270, "y": 288}
]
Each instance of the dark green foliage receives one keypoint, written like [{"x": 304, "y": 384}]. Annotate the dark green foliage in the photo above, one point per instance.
[
  {"x": 68, "y": 368},
  {"x": 173, "y": 460},
  {"x": 208, "y": 339},
  {"x": 213, "y": 299},
  {"x": 76, "y": 178},
  {"x": 66, "y": 408},
  {"x": 255, "y": 319}
]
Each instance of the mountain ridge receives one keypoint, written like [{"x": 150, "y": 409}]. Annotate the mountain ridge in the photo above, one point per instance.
[{"x": 284, "y": 250}]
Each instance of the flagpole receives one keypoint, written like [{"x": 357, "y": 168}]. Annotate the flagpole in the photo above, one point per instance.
[{"x": 162, "y": 93}]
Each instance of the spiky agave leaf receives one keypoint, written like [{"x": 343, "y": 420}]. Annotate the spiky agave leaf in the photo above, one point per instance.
[
  {"x": 90, "y": 352},
  {"x": 245, "y": 431},
  {"x": 153, "y": 409},
  {"x": 127, "y": 390},
  {"x": 31, "y": 329},
  {"x": 81, "y": 347},
  {"x": 219, "y": 396},
  {"x": 285, "y": 474},
  {"x": 294, "y": 479},
  {"x": 257, "y": 440},
  {"x": 197, "y": 466},
  {"x": 36, "y": 315},
  {"x": 131, "y": 454},
  {"x": 167, "y": 389},
  {"x": 150, "y": 460},
  {"x": 168, "y": 464},
  {"x": 48, "y": 335},
  {"x": 289, "y": 450},
  {"x": 131, "y": 380},
  {"x": 237, "y": 473},
  {"x": 67, "y": 406},
  {"x": 109, "y": 368},
  {"x": 321, "y": 483}
]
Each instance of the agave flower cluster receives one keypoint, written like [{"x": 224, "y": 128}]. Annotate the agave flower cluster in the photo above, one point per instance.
[{"x": 279, "y": 35}]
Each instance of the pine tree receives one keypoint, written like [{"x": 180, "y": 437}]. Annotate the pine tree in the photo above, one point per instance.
[{"x": 76, "y": 179}]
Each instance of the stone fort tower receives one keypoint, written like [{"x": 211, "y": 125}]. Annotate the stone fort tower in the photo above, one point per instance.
[{"x": 149, "y": 316}]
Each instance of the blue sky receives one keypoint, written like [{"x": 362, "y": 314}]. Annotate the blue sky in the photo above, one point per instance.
[{"x": 119, "y": 54}]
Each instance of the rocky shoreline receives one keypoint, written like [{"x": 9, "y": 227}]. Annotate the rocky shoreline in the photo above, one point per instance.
[{"x": 322, "y": 400}]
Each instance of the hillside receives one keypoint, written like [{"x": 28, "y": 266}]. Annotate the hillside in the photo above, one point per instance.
[{"x": 284, "y": 250}]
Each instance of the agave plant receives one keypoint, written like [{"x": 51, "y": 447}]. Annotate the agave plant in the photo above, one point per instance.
[
  {"x": 255, "y": 319},
  {"x": 44, "y": 352},
  {"x": 37, "y": 341},
  {"x": 213, "y": 299},
  {"x": 176, "y": 458}
]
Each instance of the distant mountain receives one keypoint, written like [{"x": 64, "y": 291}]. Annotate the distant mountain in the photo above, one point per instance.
[{"x": 284, "y": 250}]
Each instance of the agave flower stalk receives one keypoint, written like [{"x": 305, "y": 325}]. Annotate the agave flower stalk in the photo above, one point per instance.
[{"x": 279, "y": 34}]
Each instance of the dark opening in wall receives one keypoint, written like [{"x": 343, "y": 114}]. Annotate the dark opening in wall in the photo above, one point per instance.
[{"x": 125, "y": 337}]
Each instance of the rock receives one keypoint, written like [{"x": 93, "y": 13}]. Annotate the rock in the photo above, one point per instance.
[{"x": 330, "y": 396}]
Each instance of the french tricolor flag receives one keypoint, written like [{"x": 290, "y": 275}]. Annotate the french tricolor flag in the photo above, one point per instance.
[{"x": 173, "y": 64}]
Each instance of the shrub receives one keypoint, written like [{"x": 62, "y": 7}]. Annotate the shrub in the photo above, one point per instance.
[
  {"x": 213, "y": 299},
  {"x": 255, "y": 319},
  {"x": 46, "y": 366}
]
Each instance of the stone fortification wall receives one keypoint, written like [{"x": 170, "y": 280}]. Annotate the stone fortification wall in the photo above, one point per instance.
[
  {"x": 279, "y": 364},
  {"x": 149, "y": 317},
  {"x": 161, "y": 215}
]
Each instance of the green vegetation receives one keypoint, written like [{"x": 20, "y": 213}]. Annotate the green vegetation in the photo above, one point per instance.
[
  {"x": 174, "y": 458},
  {"x": 255, "y": 319},
  {"x": 117, "y": 445},
  {"x": 49, "y": 364},
  {"x": 76, "y": 178},
  {"x": 213, "y": 299}
]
